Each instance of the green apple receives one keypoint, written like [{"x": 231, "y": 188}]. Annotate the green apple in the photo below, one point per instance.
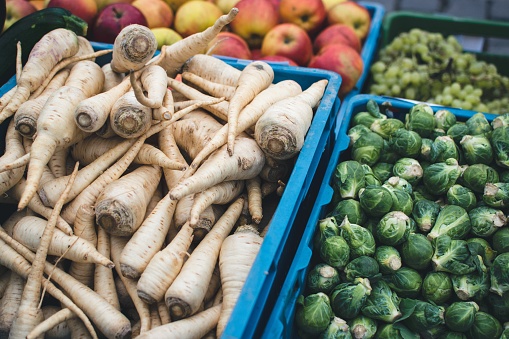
[
  {"x": 195, "y": 16},
  {"x": 165, "y": 36}
]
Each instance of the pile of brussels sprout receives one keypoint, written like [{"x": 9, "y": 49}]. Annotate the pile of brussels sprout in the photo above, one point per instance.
[{"x": 416, "y": 239}]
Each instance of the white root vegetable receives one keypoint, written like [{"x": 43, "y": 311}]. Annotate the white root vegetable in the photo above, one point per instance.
[
  {"x": 254, "y": 199},
  {"x": 154, "y": 83},
  {"x": 212, "y": 88},
  {"x": 111, "y": 79},
  {"x": 212, "y": 69},
  {"x": 13, "y": 150},
  {"x": 128, "y": 117},
  {"x": 133, "y": 47},
  {"x": 104, "y": 282},
  {"x": 9, "y": 304}
]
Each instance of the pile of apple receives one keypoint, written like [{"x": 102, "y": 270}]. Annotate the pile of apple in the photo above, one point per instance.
[{"x": 324, "y": 34}]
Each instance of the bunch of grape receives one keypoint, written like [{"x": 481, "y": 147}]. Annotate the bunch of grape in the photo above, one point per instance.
[{"x": 429, "y": 67}]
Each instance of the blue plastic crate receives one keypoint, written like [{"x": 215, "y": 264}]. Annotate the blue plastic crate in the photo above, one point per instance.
[{"x": 280, "y": 324}]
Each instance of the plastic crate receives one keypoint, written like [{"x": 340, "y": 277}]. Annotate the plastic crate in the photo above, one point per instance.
[{"x": 281, "y": 320}]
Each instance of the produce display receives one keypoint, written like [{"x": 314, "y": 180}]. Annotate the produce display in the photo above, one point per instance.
[
  {"x": 431, "y": 67},
  {"x": 414, "y": 241},
  {"x": 144, "y": 187}
]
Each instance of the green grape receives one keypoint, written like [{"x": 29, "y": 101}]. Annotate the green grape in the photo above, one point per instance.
[
  {"x": 473, "y": 99},
  {"x": 395, "y": 90},
  {"x": 476, "y": 68},
  {"x": 378, "y": 67},
  {"x": 455, "y": 89},
  {"x": 447, "y": 99},
  {"x": 392, "y": 72},
  {"x": 466, "y": 105}
]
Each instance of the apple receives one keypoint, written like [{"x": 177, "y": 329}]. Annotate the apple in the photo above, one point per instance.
[
  {"x": 165, "y": 36},
  {"x": 113, "y": 18},
  {"x": 225, "y": 5},
  {"x": 175, "y": 4},
  {"x": 85, "y": 9},
  {"x": 343, "y": 60},
  {"x": 308, "y": 14},
  {"x": 330, "y": 3},
  {"x": 38, "y": 4},
  {"x": 256, "y": 53},
  {"x": 15, "y": 10},
  {"x": 278, "y": 58},
  {"x": 157, "y": 12},
  {"x": 288, "y": 40},
  {"x": 254, "y": 20},
  {"x": 229, "y": 44},
  {"x": 337, "y": 33},
  {"x": 195, "y": 16},
  {"x": 103, "y": 3},
  {"x": 353, "y": 14}
]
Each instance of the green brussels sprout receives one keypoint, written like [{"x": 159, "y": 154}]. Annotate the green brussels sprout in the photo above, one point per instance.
[
  {"x": 499, "y": 306},
  {"x": 485, "y": 326},
  {"x": 453, "y": 256},
  {"x": 487, "y": 252},
  {"x": 472, "y": 286},
  {"x": 349, "y": 178},
  {"x": 322, "y": 278},
  {"x": 388, "y": 154},
  {"x": 421, "y": 119},
  {"x": 356, "y": 132},
  {"x": 444, "y": 148},
  {"x": 460, "y": 315},
  {"x": 425, "y": 153},
  {"x": 453, "y": 221},
  {"x": 457, "y": 131},
  {"x": 437, "y": 287},
  {"x": 452, "y": 335},
  {"x": 401, "y": 200},
  {"x": 406, "y": 143},
  {"x": 327, "y": 227},
  {"x": 382, "y": 303},
  {"x": 417, "y": 251},
  {"x": 499, "y": 274},
  {"x": 424, "y": 316},
  {"x": 395, "y": 331},
  {"x": 444, "y": 119},
  {"x": 361, "y": 267},
  {"x": 478, "y": 125},
  {"x": 500, "y": 143},
  {"x": 388, "y": 259},
  {"x": 373, "y": 109},
  {"x": 347, "y": 299},
  {"x": 363, "y": 327},
  {"x": 461, "y": 196},
  {"x": 350, "y": 208},
  {"x": 399, "y": 183},
  {"x": 505, "y": 333},
  {"x": 367, "y": 148},
  {"x": 369, "y": 176},
  {"x": 387, "y": 127},
  {"x": 425, "y": 213},
  {"x": 382, "y": 170},
  {"x": 437, "y": 132},
  {"x": 359, "y": 239},
  {"x": 364, "y": 118},
  {"x": 500, "y": 240},
  {"x": 406, "y": 282},
  {"x": 486, "y": 220},
  {"x": 335, "y": 252},
  {"x": 440, "y": 176},
  {"x": 313, "y": 313},
  {"x": 477, "y": 149},
  {"x": 337, "y": 329},
  {"x": 496, "y": 194},
  {"x": 500, "y": 121},
  {"x": 375, "y": 200},
  {"x": 477, "y": 176},
  {"x": 393, "y": 228},
  {"x": 409, "y": 169}
]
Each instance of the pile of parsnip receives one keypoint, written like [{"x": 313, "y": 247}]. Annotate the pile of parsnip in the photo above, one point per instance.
[{"x": 140, "y": 196}]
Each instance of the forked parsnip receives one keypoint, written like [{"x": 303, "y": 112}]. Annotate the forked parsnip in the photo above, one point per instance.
[
  {"x": 128, "y": 117},
  {"x": 153, "y": 83},
  {"x": 133, "y": 47},
  {"x": 212, "y": 88},
  {"x": 13, "y": 150},
  {"x": 104, "y": 283},
  {"x": 212, "y": 69},
  {"x": 254, "y": 198}
]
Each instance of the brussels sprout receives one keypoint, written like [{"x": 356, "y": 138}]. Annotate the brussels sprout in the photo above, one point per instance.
[
  {"x": 386, "y": 128},
  {"x": 406, "y": 282},
  {"x": 401, "y": 200},
  {"x": 500, "y": 240},
  {"x": 486, "y": 220},
  {"x": 425, "y": 316},
  {"x": 417, "y": 251},
  {"x": 388, "y": 259},
  {"x": 453, "y": 256},
  {"x": 457, "y": 131},
  {"x": 452, "y": 335},
  {"x": 505, "y": 332},
  {"x": 337, "y": 329},
  {"x": 382, "y": 170},
  {"x": 477, "y": 176},
  {"x": 399, "y": 183},
  {"x": 370, "y": 177},
  {"x": 375, "y": 200},
  {"x": 496, "y": 194},
  {"x": 437, "y": 287},
  {"x": 356, "y": 132},
  {"x": 364, "y": 118},
  {"x": 395, "y": 331},
  {"x": 322, "y": 278},
  {"x": 367, "y": 148},
  {"x": 437, "y": 132},
  {"x": 406, "y": 143},
  {"x": 373, "y": 109},
  {"x": 361, "y": 267},
  {"x": 444, "y": 148},
  {"x": 388, "y": 154},
  {"x": 349, "y": 178},
  {"x": 348, "y": 298},
  {"x": 382, "y": 303},
  {"x": 453, "y": 221},
  {"x": 359, "y": 239},
  {"x": 393, "y": 228},
  {"x": 425, "y": 213},
  {"x": 478, "y": 125},
  {"x": 444, "y": 119},
  {"x": 327, "y": 227},
  {"x": 409, "y": 169},
  {"x": 363, "y": 327},
  {"x": 499, "y": 306},
  {"x": 350, "y": 208},
  {"x": 313, "y": 313},
  {"x": 461, "y": 196},
  {"x": 500, "y": 143},
  {"x": 371, "y": 224},
  {"x": 472, "y": 286},
  {"x": 500, "y": 121},
  {"x": 440, "y": 176},
  {"x": 460, "y": 315},
  {"x": 487, "y": 253},
  {"x": 499, "y": 274},
  {"x": 485, "y": 326},
  {"x": 477, "y": 149},
  {"x": 425, "y": 153},
  {"x": 421, "y": 119},
  {"x": 335, "y": 252}
]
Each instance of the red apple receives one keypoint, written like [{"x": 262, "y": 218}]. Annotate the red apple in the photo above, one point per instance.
[
  {"x": 256, "y": 53},
  {"x": 85, "y": 9},
  {"x": 308, "y": 14},
  {"x": 353, "y": 14},
  {"x": 229, "y": 44},
  {"x": 337, "y": 33},
  {"x": 157, "y": 12},
  {"x": 195, "y": 16},
  {"x": 343, "y": 60},
  {"x": 254, "y": 20},
  {"x": 278, "y": 58},
  {"x": 288, "y": 40},
  {"x": 113, "y": 18},
  {"x": 15, "y": 10}
]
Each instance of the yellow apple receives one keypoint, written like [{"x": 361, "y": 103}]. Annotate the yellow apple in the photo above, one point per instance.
[
  {"x": 330, "y": 3},
  {"x": 157, "y": 12},
  {"x": 165, "y": 36},
  {"x": 226, "y": 5},
  {"x": 353, "y": 14},
  {"x": 195, "y": 16},
  {"x": 175, "y": 4}
]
